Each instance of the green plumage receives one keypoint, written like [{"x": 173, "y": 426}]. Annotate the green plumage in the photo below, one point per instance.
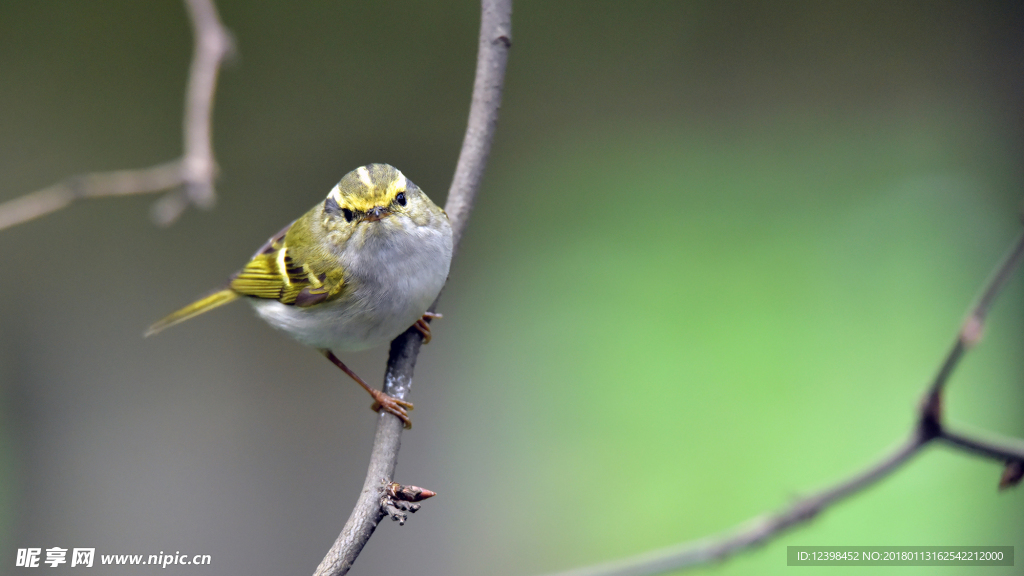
[
  {"x": 301, "y": 266},
  {"x": 353, "y": 272},
  {"x": 292, "y": 268}
]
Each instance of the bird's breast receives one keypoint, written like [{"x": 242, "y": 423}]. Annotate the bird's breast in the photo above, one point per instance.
[{"x": 391, "y": 279}]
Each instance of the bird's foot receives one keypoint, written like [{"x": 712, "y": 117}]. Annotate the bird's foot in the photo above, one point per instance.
[
  {"x": 381, "y": 400},
  {"x": 423, "y": 327},
  {"x": 392, "y": 405}
]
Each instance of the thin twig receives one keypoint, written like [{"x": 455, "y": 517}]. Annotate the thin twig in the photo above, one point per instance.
[
  {"x": 492, "y": 56},
  {"x": 753, "y": 532},
  {"x": 929, "y": 427},
  {"x": 194, "y": 171},
  {"x": 199, "y": 168},
  {"x": 115, "y": 183},
  {"x": 1004, "y": 450},
  {"x": 973, "y": 327}
]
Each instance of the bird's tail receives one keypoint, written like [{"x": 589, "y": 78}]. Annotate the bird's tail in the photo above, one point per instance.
[{"x": 194, "y": 309}]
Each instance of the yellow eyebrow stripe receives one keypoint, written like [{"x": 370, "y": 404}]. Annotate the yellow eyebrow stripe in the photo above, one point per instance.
[
  {"x": 368, "y": 187},
  {"x": 399, "y": 184}
]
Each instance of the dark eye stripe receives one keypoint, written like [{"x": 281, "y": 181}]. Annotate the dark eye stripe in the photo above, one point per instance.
[{"x": 331, "y": 207}]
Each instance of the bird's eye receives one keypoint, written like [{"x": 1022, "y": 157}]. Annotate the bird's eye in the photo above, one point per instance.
[
  {"x": 400, "y": 198},
  {"x": 347, "y": 214}
]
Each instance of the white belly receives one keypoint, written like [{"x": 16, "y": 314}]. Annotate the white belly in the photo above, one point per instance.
[{"x": 394, "y": 283}]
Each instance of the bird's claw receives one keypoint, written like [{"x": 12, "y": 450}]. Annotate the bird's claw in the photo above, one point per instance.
[
  {"x": 392, "y": 405},
  {"x": 423, "y": 327}
]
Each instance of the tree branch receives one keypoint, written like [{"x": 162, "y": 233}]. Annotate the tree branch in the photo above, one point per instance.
[
  {"x": 929, "y": 427},
  {"x": 194, "y": 171},
  {"x": 973, "y": 327},
  {"x": 492, "y": 56},
  {"x": 753, "y": 532},
  {"x": 1006, "y": 450}
]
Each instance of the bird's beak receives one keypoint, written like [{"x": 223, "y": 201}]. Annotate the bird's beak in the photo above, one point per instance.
[{"x": 376, "y": 213}]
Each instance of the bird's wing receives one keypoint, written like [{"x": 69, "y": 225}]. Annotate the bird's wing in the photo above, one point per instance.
[{"x": 288, "y": 274}]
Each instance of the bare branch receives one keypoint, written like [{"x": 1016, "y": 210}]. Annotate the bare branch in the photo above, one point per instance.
[
  {"x": 492, "y": 56},
  {"x": 116, "y": 183},
  {"x": 973, "y": 327},
  {"x": 1004, "y": 450},
  {"x": 195, "y": 171},
  {"x": 213, "y": 43},
  {"x": 929, "y": 427},
  {"x": 753, "y": 532}
]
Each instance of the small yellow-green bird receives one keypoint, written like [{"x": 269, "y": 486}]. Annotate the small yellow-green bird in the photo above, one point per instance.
[{"x": 355, "y": 271}]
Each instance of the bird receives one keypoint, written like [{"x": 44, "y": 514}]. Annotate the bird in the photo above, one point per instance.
[{"x": 354, "y": 272}]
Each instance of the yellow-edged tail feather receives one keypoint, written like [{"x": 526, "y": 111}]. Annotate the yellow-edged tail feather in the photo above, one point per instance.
[{"x": 194, "y": 309}]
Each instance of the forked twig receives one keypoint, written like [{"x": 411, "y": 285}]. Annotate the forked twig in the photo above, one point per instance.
[
  {"x": 193, "y": 174},
  {"x": 929, "y": 427}
]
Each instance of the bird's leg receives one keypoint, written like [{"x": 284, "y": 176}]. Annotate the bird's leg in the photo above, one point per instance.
[
  {"x": 381, "y": 400},
  {"x": 423, "y": 328}
]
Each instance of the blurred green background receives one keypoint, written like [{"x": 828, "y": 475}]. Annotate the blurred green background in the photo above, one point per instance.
[{"x": 719, "y": 250}]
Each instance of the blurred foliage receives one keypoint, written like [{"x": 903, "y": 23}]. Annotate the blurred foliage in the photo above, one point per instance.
[{"x": 720, "y": 248}]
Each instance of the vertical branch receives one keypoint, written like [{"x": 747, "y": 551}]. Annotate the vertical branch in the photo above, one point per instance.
[
  {"x": 492, "y": 56},
  {"x": 213, "y": 43}
]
